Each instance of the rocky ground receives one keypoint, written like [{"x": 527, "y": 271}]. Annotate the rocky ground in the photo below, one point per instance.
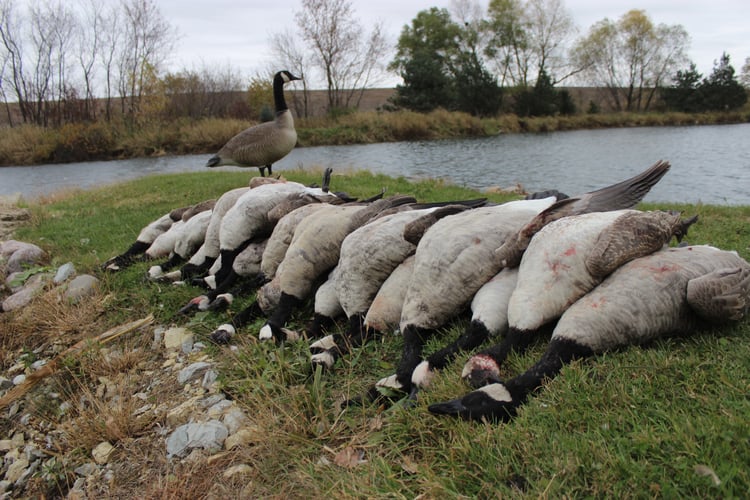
[{"x": 124, "y": 416}]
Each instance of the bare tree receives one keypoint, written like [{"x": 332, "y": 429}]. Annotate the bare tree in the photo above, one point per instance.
[
  {"x": 348, "y": 59},
  {"x": 287, "y": 52},
  {"x": 550, "y": 33},
  {"x": 530, "y": 37},
  {"x": 148, "y": 41},
  {"x": 89, "y": 44},
  {"x": 13, "y": 77},
  {"x": 631, "y": 58},
  {"x": 745, "y": 73},
  {"x": 111, "y": 40}
]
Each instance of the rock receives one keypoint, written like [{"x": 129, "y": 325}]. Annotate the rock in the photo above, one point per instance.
[
  {"x": 219, "y": 408},
  {"x": 235, "y": 419},
  {"x": 18, "y": 440},
  {"x": 192, "y": 371},
  {"x": 101, "y": 452},
  {"x": 176, "y": 336},
  {"x": 208, "y": 436},
  {"x": 80, "y": 287},
  {"x": 209, "y": 378},
  {"x": 29, "y": 255},
  {"x": 182, "y": 412},
  {"x": 16, "y": 470},
  {"x": 22, "y": 297},
  {"x": 64, "y": 272},
  {"x": 86, "y": 469},
  {"x": 19, "y": 379},
  {"x": 5, "y": 383},
  {"x": 242, "y": 437},
  {"x": 6, "y": 444},
  {"x": 5, "y": 486}
]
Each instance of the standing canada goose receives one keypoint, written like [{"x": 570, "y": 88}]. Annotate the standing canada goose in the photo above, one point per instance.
[
  {"x": 679, "y": 290},
  {"x": 457, "y": 255},
  {"x": 266, "y": 143}
]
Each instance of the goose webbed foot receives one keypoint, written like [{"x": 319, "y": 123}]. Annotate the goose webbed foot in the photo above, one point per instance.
[{"x": 492, "y": 403}]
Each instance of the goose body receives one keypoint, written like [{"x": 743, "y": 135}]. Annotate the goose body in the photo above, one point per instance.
[
  {"x": 209, "y": 250},
  {"x": 458, "y": 254},
  {"x": 314, "y": 251},
  {"x": 266, "y": 143},
  {"x": 189, "y": 236},
  {"x": 489, "y": 309},
  {"x": 679, "y": 290},
  {"x": 564, "y": 261},
  {"x": 146, "y": 237}
]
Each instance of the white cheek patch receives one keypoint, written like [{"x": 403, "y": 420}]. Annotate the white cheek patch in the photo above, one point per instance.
[
  {"x": 154, "y": 272},
  {"x": 498, "y": 392},
  {"x": 390, "y": 382},
  {"x": 323, "y": 358},
  {"x": 228, "y": 297},
  {"x": 210, "y": 281},
  {"x": 325, "y": 343},
  {"x": 291, "y": 335},
  {"x": 227, "y": 328},
  {"x": 265, "y": 333},
  {"x": 422, "y": 375}
]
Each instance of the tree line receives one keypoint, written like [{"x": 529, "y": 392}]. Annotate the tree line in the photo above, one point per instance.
[{"x": 89, "y": 60}]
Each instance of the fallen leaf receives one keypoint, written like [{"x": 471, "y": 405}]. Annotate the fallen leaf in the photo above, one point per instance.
[
  {"x": 705, "y": 470},
  {"x": 349, "y": 457},
  {"x": 409, "y": 465}
]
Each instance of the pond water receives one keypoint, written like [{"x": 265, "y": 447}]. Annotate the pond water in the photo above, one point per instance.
[{"x": 710, "y": 164}]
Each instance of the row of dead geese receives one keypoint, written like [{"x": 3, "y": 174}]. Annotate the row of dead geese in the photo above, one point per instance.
[{"x": 597, "y": 271}]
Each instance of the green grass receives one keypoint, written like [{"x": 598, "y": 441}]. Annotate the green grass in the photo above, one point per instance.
[{"x": 640, "y": 422}]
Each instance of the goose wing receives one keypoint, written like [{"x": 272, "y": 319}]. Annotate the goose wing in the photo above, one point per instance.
[{"x": 721, "y": 295}]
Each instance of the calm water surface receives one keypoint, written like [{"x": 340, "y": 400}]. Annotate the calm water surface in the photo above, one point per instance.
[{"x": 710, "y": 164}]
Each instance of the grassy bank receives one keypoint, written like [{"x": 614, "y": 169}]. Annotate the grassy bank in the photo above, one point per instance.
[
  {"x": 641, "y": 422},
  {"x": 29, "y": 145}
]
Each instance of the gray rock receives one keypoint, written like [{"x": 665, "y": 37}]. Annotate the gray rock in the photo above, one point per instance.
[
  {"x": 22, "y": 297},
  {"x": 235, "y": 419},
  {"x": 80, "y": 287},
  {"x": 64, "y": 272},
  {"x": 86, "y": 469},
  {"x": 29, "y": 255},
  {"x": 192, "y": 371},
  {"x": 209, "y": 378},
  {"x": 5, "y": 383},
  {"x": 208, "y": 436}
]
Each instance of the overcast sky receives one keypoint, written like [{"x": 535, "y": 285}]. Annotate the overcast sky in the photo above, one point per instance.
[{"x": 236, "y": 32}]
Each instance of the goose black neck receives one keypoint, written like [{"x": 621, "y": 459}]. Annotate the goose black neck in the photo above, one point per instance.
[
  {"x": 559, "y": 353},
  {"x": 278, "y": 94}
]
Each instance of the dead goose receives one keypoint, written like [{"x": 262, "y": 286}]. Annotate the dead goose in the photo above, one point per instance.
[
  {"x": 456, "y": 256},
  {"x": 145, "y": 238},
  {"x": 680, "y": 290},
  {"x": 314, "y": 251},
  {"x": 563, "y": 261},
  {"x": 266, "y": 143},
  {"x": 368, "y": 256}
]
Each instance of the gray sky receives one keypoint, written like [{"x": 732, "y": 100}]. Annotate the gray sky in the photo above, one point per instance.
[{"x": 236, "y": 32}]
